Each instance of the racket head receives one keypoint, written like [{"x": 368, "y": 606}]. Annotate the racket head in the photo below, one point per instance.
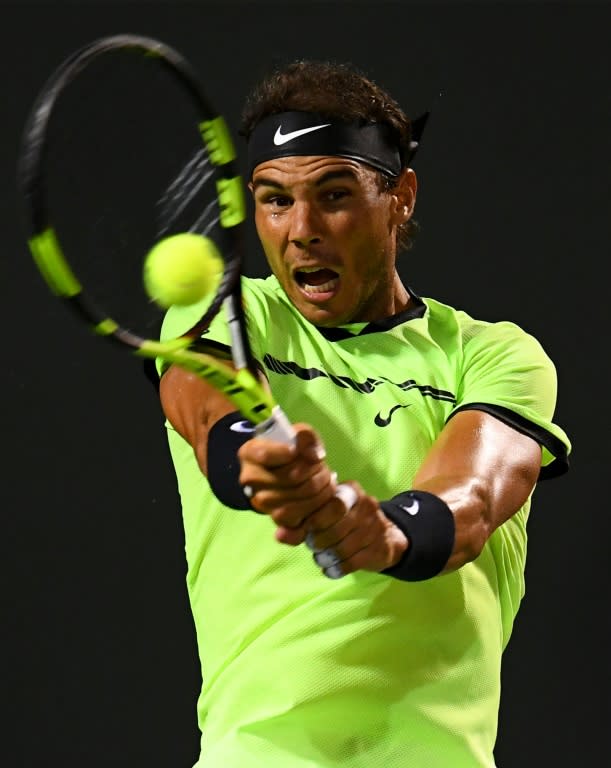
[{"x": 122, "y": 148}]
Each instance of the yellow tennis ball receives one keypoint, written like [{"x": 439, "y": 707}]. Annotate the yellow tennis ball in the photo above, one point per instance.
[{"x": 182, "y": 269}]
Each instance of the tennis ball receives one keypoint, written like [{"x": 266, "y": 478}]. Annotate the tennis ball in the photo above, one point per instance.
[{"x": 182, "y": 269}]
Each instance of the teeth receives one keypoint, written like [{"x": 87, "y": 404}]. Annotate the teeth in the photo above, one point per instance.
[{"x": 328, "y": 286}]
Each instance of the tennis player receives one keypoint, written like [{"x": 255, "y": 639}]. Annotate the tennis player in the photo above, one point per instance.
[{"x": 368, "y": 635}]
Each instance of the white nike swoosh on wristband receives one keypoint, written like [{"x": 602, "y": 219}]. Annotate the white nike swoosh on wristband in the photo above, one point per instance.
[
  {"x": 413, "y": 508},
  {"x": 241, "y": 426},
  {"x": 282, "y": 138}
]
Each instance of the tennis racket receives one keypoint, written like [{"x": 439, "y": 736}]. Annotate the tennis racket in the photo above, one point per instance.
[{"x": 122, "y": 148}]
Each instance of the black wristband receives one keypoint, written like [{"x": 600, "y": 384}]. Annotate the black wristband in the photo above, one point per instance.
[
  {"x": 428, "y": 523},
  {"x": 224, "y": 440}
]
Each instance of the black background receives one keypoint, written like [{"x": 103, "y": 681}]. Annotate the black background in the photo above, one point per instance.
[{"x": 513, "y": 205}]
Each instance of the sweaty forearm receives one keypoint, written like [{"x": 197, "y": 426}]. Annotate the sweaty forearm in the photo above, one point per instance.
[
  {"x": 192, "y": 407},
  {"x": 484, "y": 471}
]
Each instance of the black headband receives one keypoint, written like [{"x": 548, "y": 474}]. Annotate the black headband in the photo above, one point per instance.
[{"x": 308, "y": 133}]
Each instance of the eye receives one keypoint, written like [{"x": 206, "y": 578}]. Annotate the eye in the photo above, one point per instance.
[
  {"x": 276, "y": 201},
  {"x": 336, "y": 195}
]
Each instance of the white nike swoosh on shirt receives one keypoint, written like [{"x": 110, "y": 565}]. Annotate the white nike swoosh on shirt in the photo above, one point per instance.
[{"x": 281, "y": 138}]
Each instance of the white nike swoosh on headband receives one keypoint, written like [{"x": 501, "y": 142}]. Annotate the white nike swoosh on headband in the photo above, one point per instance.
[{"x": 281, "y": 138}]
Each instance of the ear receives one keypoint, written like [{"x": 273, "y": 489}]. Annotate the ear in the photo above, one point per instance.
[{"x": 404, "y": 196}]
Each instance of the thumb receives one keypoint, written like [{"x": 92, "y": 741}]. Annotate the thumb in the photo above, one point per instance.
[{"x": 309, "y": 445}]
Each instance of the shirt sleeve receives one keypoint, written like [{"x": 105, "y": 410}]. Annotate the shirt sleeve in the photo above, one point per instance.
[
  {"x": 178, "y": 320},
  {"x": 506, "y": 371}
]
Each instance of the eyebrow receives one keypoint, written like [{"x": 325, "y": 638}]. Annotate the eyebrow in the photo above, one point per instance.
[{"x": 348, "y": 173}]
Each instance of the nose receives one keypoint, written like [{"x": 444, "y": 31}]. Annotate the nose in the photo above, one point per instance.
[{"x": 305, "y": 225}]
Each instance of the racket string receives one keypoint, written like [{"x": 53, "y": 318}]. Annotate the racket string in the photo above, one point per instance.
[
  {"x": 184, "y": 191},
  {"x": 120, "y": 173}
]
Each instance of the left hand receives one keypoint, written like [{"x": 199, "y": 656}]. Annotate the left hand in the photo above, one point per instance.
[
  {"x": 296, "y": 488},
  {"x": 360, "y": 538}
]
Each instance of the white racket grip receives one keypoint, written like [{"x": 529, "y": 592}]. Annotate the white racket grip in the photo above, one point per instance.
[{"x": 277, "y": 427}]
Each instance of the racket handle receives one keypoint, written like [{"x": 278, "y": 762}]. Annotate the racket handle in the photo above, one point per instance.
[
  {"x": 326, "y": 558},
  {"x": 277, "y": 427}
]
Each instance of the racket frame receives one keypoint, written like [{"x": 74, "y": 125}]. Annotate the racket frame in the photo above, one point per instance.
[{"x": 239, "y": 383}]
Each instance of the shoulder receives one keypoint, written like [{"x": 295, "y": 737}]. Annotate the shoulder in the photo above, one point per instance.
[
  {"x": 494, "y": 361},
  {"x": 475, "y": 337},
  {"x": 503, "y": 369}
]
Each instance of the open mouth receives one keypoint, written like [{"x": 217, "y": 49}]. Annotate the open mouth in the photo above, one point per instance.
[{"x": 314, "y": 280}]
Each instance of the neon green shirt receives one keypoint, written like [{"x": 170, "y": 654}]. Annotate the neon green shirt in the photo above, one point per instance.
[{"x": 367, "y": 671}]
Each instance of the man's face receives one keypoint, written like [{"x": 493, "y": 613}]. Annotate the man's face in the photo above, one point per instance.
[{"x": 329, "y": 236}]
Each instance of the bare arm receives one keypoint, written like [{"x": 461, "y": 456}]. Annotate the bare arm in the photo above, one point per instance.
[
  {"x": 192, "y": 406},
  {"x": 483, "y": 469}
]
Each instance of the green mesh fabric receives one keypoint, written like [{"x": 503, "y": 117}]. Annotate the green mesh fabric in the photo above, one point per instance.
[{"x": 368, "y": 672}]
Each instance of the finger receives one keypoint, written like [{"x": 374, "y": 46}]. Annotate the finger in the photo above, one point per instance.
[
  {"x": 327, "y": 558},
  {"x": 266, "y": 453},
  {"x": 290, "y": 478},
  {"x": 292, "y": 519},
  {"x": 272, "y": 453},
  {"x": 326, "y": 527},
  {"x": 359, "y": 552},
  {"x": 348, "y": 495},
  {"x": 290, "y": 507},
  {"x": 362, "y": 530},
  {"x": 269, "y": 463},
  {"x": 309, "y": 445}
]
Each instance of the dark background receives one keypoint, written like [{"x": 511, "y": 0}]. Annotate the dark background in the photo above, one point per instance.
[{"x": 514, "y": 211}]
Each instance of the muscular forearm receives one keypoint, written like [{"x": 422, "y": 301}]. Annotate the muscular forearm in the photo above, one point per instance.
[
  {"x": 481, "y": 469},
  {"x": 192, "y": 406},
  {"x": 485, "y": 471}
]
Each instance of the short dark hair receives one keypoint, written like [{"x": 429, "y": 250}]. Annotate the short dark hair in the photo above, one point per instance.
[{"x": 338, "y": 91}]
